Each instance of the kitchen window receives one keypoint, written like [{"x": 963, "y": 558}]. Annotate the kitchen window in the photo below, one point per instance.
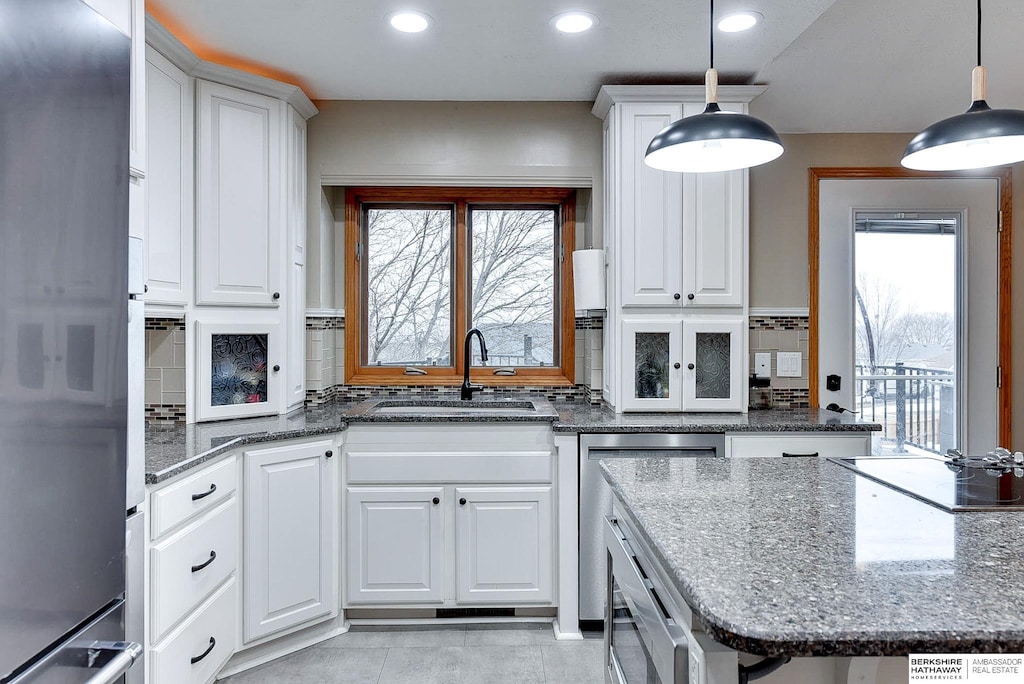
[{"x": 424, "y": 265}]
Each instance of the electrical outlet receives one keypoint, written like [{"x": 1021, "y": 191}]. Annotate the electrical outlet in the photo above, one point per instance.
[
  {"x": 763, "y": 364},
  {"x": 788, "y": 364}
]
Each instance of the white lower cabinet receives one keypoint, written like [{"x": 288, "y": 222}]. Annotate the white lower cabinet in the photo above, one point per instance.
[
  {"x": 289, "y": 537},
  {"x": 195, "y": 652},
  {"x": 395, "y": 545},
  {"x": 503, "y": 544},
  {"x": 824, "y": 445}
]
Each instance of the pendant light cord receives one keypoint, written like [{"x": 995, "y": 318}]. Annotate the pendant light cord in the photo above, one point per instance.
[
  {"x": 711, "y": 25},
  {"x": 979, "y": 32}
]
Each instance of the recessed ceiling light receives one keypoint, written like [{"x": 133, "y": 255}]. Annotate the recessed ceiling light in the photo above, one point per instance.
[
  {"x": 740, "y": 21},
  {"x": 409, "y": 21},
  {"x": 574, "y": 22}
]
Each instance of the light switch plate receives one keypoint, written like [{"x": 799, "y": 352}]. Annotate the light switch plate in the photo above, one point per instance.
[
  {"x": 763, "y": 364},
  {"x": 788, "y": 364}
]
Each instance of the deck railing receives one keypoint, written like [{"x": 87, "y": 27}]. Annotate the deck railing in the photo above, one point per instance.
[{"x": 916, "y": 406}]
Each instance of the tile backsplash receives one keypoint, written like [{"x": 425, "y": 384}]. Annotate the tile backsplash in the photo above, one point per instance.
[
  {"x": 165, "y": 370},
  {"x": 325, "y": 354},
  {"x": 787, "y": 333}
]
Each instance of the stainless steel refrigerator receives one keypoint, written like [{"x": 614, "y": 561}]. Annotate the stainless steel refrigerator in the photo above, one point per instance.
[{"x": 64, "y": 88}]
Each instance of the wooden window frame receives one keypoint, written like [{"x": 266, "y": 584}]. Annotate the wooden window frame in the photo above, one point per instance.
[{"x": 562, "y": 375}]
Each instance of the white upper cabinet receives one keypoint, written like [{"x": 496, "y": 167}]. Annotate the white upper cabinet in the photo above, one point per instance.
[
  {"x": 129, "y": 17},
  {"x": 295, "y": 378},
  {"x": 240, "y": 213},
  {"x": 714, "y": 233},
  {"x": 651, "y": 210},
  {"x": 169, "y": 223}
]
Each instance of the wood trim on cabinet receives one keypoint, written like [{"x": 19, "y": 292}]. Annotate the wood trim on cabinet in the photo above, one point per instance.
[
  {"x": 1005, "y": 260},
  {"x": 562, "y": 375}
]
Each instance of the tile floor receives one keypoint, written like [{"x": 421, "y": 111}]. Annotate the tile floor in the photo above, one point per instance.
[{"x": 456, "y": 654}]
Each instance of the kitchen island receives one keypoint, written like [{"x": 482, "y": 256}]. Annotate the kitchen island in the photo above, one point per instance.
[{"x": 802, "y": 557}]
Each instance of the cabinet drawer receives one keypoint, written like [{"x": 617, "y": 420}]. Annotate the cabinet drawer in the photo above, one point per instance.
[
  {"x": 174, "y": 504},
  {"x": 449, "y": 467},
  {"x": 188, "y": 566},
  {"x": 210, "y": 631},
  {"x": 825, "y": 446}
]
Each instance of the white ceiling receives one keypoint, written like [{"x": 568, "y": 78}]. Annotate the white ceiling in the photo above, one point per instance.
[{"x": 830, "y": 65}]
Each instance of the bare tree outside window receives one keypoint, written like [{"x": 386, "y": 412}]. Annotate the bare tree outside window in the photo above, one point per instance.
[
  {"x": 513, "y": 284},
  {"x": 409, "y": 272}
]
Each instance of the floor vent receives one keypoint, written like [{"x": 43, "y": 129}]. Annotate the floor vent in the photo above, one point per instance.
[{"x": 475, "y": 612}]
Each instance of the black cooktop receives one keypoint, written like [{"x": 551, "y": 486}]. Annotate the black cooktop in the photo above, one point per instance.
[{"x": 950, "y": 486}]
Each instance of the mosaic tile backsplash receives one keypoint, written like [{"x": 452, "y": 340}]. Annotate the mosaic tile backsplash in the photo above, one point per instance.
[
  {"x": 325, "y": 353},
  {"x": 165, "y": 370},
  {"x": 783, "y": 333}
]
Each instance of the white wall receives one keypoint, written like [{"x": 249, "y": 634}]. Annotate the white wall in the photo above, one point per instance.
[{"x": 443, "y": 143}]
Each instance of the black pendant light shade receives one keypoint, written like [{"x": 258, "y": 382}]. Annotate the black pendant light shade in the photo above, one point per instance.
[
  {"x": 713, "y": 140},
  {"x": 979, "y": 138}
]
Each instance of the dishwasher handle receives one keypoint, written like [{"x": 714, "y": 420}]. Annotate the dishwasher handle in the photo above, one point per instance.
[{"x": 124, "y": 656}]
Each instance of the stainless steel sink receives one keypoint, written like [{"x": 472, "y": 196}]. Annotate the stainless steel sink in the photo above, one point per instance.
[{"x": 442, "y": 407}]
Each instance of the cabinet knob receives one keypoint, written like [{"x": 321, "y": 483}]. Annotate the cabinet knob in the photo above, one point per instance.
[
  {"x": 145, "y": 289},
  {"x": 276, "y": 295},
  {"x": 462, "y": 502},
  {"x": 328, "y": 453},
  {"x": 677, "y": 366},
  {"x": 676, "y": 296},
  {"x": 276, "y": 368},
  {"x": 690, "y": 366},
  {"x": 436, "y": 500},
  {"x": 690, "y": 296}
]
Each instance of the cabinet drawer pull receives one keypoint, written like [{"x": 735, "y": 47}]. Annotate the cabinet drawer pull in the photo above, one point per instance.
[
  {"x": 213, "y": 557},
  {"x": 786, "y": 454},
  {"x": 196, "y": 659},
  {"x": 211, "y": 490},
  {"x": 462, "y": 502}
]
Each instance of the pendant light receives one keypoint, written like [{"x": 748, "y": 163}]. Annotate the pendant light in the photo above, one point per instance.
[
  {"x": 713, "y": 140},
  {"x": 979, "y": 138}
]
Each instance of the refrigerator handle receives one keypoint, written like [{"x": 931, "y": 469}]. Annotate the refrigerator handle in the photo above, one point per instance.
[{"x": 127, "y": 653}]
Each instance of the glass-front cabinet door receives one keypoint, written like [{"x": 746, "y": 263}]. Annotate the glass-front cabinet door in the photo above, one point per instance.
[
  {"x": 651, "y": 367},
  {"x": 713, "y": 352},
  {"x": 239, "y": 370}
]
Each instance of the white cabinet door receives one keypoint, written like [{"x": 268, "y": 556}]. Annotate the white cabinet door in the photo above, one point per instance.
[
  {"x": 714, "y": 351},
  {"x": 296, "y": 315},
  {"x": 170, "y": 221},
  {"x": 395, "y": 545},
  {"x": 503, "y": 542},
  {"x": 240, "y": 212},
  {"x": 650, "y": 210},
  {"x": 714, "y": 233},
  {"x": 289, "y": 537},
  {"x": 239, "y": 370},
  {"x": 651, "y": 364}
]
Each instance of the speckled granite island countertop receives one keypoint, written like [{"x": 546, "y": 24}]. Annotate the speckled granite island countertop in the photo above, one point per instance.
[{"x": 804, "y": 557}]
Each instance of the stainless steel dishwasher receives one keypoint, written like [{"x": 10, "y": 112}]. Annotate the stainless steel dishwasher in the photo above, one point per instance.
[{"x": 596, "y": 498}]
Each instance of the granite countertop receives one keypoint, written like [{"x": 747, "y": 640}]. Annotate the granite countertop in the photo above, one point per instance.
[
  {"x": 172, "y": 450},
  {"x": 583, "y": 418},
  {"x": 803, "y": 557}
]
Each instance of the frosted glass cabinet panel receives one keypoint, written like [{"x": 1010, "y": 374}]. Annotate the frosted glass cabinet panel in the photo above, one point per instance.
[
  {"x": 652, "y": 365},
  {"x": 713, "y": 364},
  {"x": 239, "y": 370}
]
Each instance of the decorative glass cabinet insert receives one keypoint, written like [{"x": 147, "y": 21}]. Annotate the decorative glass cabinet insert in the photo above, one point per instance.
[{"x": 238, "y": 369}]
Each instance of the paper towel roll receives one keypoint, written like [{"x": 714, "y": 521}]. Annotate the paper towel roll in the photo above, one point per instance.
[{"x": 588, "y": 279}]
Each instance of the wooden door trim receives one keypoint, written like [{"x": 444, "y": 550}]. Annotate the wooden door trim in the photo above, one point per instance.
[{"x": 1005, "y": 309}]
